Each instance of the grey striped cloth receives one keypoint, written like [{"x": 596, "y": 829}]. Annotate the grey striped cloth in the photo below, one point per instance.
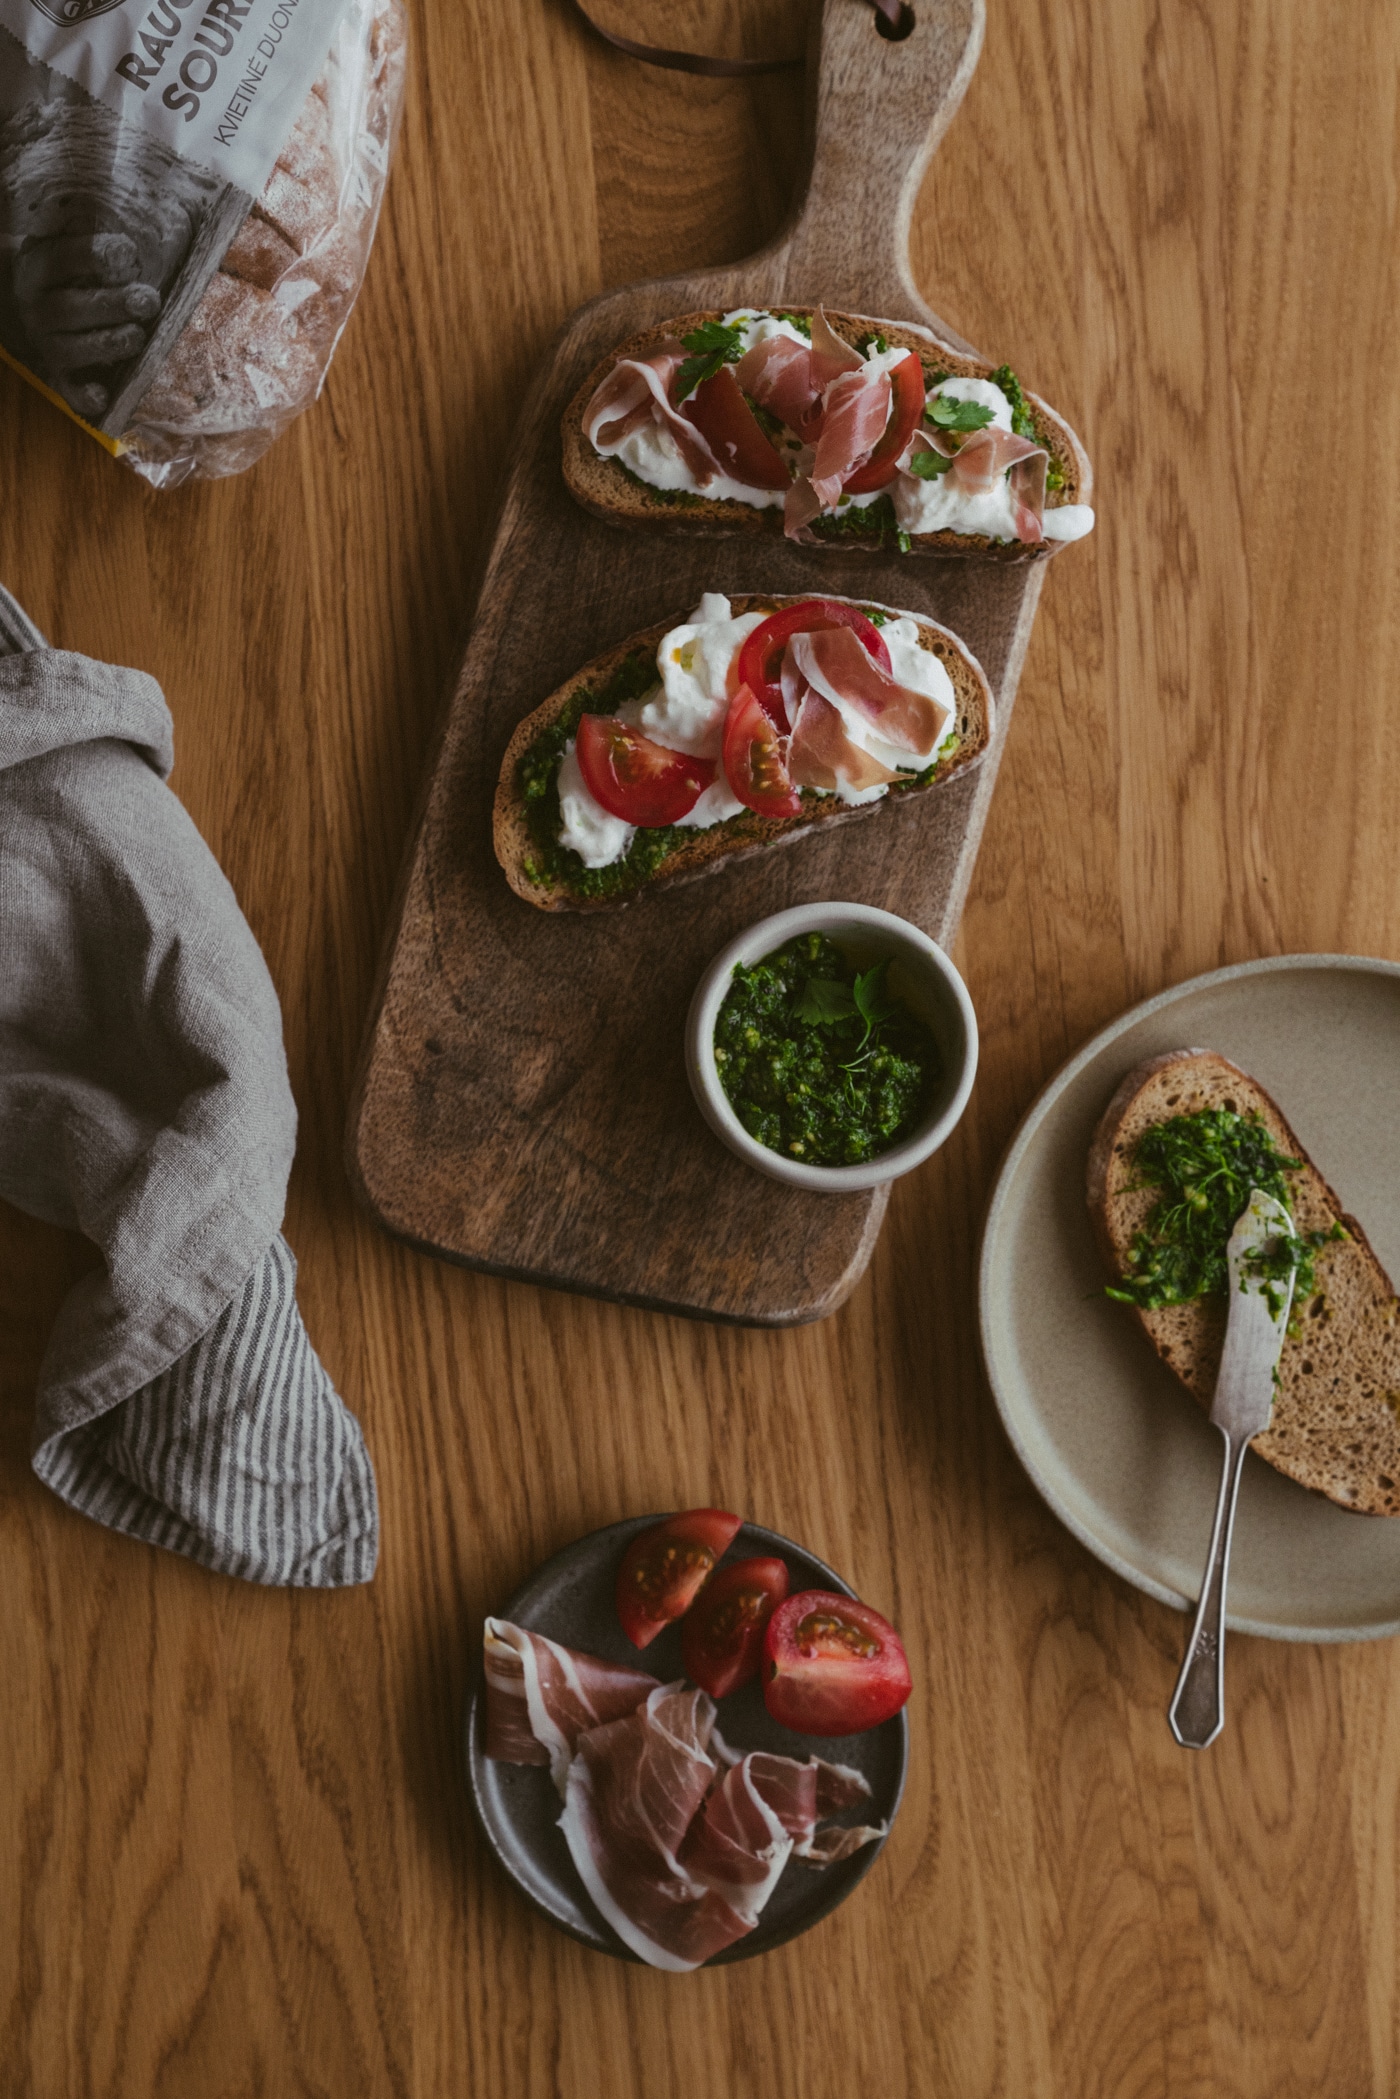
[{"x": 144, "y": 1100}]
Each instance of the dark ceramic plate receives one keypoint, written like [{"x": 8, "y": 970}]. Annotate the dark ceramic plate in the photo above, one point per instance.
[{"x": 570, "y": 1599}]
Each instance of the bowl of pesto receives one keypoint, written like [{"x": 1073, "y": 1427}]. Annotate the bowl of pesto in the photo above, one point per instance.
[{"x": 833, "y": 1046}]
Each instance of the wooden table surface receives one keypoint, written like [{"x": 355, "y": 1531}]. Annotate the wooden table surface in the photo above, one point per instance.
[{"x": 237, "y": 1853}]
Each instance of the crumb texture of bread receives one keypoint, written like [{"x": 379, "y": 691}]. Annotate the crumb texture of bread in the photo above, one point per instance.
[
  {"x": 604, "y": 486},
  {"x": 1336, "y": 1418},
  {"x": 738, "y": 836}
]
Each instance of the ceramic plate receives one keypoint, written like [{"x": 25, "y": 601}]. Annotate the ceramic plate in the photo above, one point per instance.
[
  {"x": 570, "y": 1599},
  {"x": 1121, "y": 1451}
]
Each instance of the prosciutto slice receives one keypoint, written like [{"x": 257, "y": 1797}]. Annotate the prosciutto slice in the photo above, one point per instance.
[
  {"x": 836, "y": 666},
  {"x": 634, "y": 1789},
  {"x": 822, "y": 755},
  {"x": 638, "y": 390},
  {"x": 981, "y": 460},
  {"x": 777, "y": 373},
  {"x": 540, "y": 1697}
]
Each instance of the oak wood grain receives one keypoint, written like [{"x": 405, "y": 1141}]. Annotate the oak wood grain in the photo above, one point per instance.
[{"x": 236, "y": 1855}]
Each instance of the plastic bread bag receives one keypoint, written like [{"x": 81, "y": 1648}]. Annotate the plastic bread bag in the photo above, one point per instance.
[{"x": 175, "y": 271}]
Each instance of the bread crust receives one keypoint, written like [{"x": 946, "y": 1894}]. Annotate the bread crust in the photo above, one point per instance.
[
  {"x": 739, "y": 837},
  {"x": 1336, "y": 1419},
  {"x": 603, "y": 486}
]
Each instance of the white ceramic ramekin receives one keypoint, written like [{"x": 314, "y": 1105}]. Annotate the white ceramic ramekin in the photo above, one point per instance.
[{"x": 920, "y": 974}]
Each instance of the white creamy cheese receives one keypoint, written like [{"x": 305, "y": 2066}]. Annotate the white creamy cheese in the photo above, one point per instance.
[
  {"x": 587, "y": 829},
  {"x": 940, "y": 505},
  {"x": 687, "y": 710},
  {"x": 1067, "y": 521}
]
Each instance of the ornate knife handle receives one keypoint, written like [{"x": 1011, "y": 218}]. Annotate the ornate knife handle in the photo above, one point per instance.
[{"x": 1197, "y": 1710}]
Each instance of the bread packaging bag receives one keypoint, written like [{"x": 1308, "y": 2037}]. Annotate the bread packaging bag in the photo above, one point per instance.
[{"x": 188, "y": 194}]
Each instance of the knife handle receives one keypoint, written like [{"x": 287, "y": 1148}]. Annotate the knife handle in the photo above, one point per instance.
[{"x": 1197, "y": 1710}]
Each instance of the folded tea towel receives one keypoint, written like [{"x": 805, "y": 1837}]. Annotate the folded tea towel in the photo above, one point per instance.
[{"x": 144, "y": 1100}]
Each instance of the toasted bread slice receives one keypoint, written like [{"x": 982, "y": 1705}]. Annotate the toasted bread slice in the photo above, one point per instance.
[
  {"x": 605, "y": 486},
  {"x": 523, "y": 851},
  {"x": 1336, "y": 1419}
]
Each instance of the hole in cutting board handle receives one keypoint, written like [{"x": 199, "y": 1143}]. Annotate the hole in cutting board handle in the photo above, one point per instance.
[{"x": 894, "y": 32}]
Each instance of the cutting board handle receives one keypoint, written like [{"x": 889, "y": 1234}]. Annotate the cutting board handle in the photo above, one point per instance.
[{"x": 879, "y": 106}]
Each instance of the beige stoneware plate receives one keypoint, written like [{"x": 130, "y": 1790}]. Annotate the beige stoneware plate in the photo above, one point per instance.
[{"x": 1120, "y": 1451}]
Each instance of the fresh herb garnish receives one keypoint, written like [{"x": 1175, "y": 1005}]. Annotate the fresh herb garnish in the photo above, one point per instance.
[
  {"x": 819, "y": 1061},
  {"x": 712, "y": 346},
  {"x": 945, "y": 413},
  {"x": 1206, "y": 1166},
  {"x": 928, "y": 465}
]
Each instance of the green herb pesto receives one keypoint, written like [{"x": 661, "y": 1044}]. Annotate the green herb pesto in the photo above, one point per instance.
[
  {"x": 819, "y": 1061},
  {"x": 683, "y": 498},
  {"x": 1206, "y": 1165},
  {"x": 863, "y": 521},
  {"x": 802, "y": 322},
  {"x": 1023, "y": 423}
]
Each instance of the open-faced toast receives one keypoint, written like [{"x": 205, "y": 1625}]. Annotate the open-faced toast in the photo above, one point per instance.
[
  {"x": 612, "y": 491},
  {"x": 527, "y": 813},
  {"x": 1336, "y": 1418}
]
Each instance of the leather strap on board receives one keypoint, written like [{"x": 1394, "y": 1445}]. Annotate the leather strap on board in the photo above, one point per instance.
[{"x": 896, "y": 12}]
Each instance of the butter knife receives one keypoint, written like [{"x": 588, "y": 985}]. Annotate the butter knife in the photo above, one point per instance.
[{"x": 1241, "y": 1409}]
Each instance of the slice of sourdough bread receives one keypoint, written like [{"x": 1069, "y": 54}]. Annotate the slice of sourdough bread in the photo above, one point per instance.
[
  {"x": 605, "y": 486},
  {"x": 521, "y": 823},
  {"x": 1336, "y": 1419}
]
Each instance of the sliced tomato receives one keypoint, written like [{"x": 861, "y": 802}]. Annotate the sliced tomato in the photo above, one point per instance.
[
  {"x": 761, "y": 657},
  {"x": 755, "y": 759},
  {"x": 630, "y": 776},
  {"x": 832, "y": 1666},
  {"x": 664, "y": 1570},
  {"x": 722, "y": 1632},
  {"x": 907, "y": 397},
  {"x": 734, "y": 434}
]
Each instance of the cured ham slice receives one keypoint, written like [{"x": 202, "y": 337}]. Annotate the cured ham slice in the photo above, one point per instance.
[
  {"x": 634, "y": 1789},
  {"x": 540, "y": 1697},
  {"x": 777, "y": 373},
  {"x": 855, "y": 413},
  {"x": 822, "y": 755},
  {"x": 728, "y": 424},
  {"x": 836, "y": 666},
  {"x": 830, "y": 355},
  {"x": 637, "y": 390},
  {"x": 981, "y": 460}
]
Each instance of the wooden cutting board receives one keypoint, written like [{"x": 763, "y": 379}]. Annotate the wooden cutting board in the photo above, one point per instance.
[{"x": 522, "y": 1105}]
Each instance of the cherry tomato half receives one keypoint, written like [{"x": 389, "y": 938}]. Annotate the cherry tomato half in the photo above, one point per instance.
[
  {"x": 722, "y": 1632},
  {"x": 664, "y": 1569},
  {"x": 630, "y": 776},
  {"x": 906, "y": 406},
  {"x": 734, "y": 434},
  {"x": 755, "y": 761},
  {"x": 761, "y": 657},
  {"x": 832, "y": 1666}
]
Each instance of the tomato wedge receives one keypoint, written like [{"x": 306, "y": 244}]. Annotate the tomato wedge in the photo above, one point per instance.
[
  {"x": 734, "y": 434},
  {"x": 761, "y": 657},
  {"x": 755, "y": 760},
  {"x": 630, "y": 776},
  {"x": 906, "y": 406},
  {"x": 722, "y": 1632},
  {"x": 832, "y": 1666},
  {"x": 664, "y": 1569}
]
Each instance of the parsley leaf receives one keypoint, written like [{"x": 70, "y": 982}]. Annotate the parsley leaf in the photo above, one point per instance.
[
  {"x": 928, "y": 465},
  {"x": 947, "y": 414},
  {"x": 873, "y": 1001},
  {"x": 825, "y": 1002},
  {"x": 712, "y": 346}
]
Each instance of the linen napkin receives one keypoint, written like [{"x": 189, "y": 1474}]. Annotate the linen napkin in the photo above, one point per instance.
[{"x": 144, "y": 1100}]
